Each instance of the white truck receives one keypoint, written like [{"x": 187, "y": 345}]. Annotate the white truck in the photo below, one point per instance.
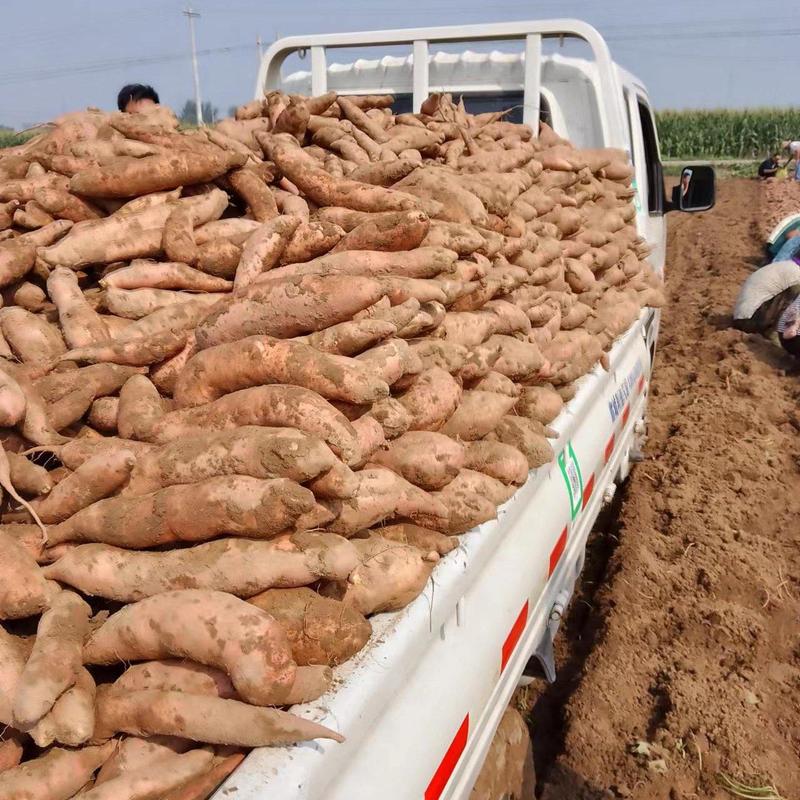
[{"x": 419, "y": 705}]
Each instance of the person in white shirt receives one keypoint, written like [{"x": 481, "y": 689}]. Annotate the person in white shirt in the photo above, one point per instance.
[
  {"x": 764, "y": 297},
  {"x": 794, "y": 153}
]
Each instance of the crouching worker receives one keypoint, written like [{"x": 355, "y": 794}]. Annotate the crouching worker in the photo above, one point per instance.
[{"x": 765, "y": 296}]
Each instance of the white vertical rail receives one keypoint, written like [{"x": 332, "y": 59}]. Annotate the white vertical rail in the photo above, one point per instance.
[
  {"x": 269, "y": 74},
  {"x": 532, "y": 81},
  {"x": 319, "y": 70},
  {"x": 420, "y": 83}
]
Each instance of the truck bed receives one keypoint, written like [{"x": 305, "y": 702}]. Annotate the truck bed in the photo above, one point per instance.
[{"x": 430, "y": 687}]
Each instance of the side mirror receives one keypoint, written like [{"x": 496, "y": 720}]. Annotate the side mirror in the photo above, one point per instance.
[{"x": 695, "y": 190}]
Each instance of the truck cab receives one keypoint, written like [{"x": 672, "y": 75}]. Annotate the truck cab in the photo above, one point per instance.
[{"x": 419, "y": 705}]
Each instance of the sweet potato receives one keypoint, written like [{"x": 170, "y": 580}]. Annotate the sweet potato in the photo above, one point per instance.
[
  {"x": 80, "y": 323},
  {"x": 35, "y": 425},
  {"x": 136, "y": 352},
  {"x": 478, "y": 414},
  {"x": 252, "y": 189},
  {"x": 67, "y": 410},
  {"x": 119, "y": 237},
  {"x": 170, "y": 319},
  {"x": 540, "y": 403},
  {"x": 165, "y": 373},
  {"x": 232, "y": 504},
  {"x": 130, "y": 177},
  {"x": 237, "y": 566},
  {"x": 389, "y": 577},
  {"x": 258, "y": 360},
  {"x": 56, "y": 775},
  {"x": 390, "y": 360},
  {"x": 321, "y": 630},
  {"x": 133, "y": 752},
  {"x": 174, "y": 675},
  {"x": 289, "y": 307},
  {"x": 102, "y": 415},
  {"x": 311, "y": 240},
  {"x": 382, "y": 494},
  {"x": 497, "y": 460},
  {"x": 71, "y": 720},
  {"x": 55, "y": 660},
  {"x": 466, "y": 509},
  {"x": 170, "y": 675},
  {"x": 392, "y": 416},
  {"x": 202, "y": 719},
  {"x": 351, "y": 337},
  {"x": 28, "y": 296},
  {"x": 65, "y": 205},
  {"x": 432, "y": 399},
  {"x": 423, "y": 262},
  {"x": 98, "y": 477},
  {"x": 423, "y": 539},
  {"x": 154, "y": 780},
  {"x": 522, "y": 434},
  {"x": 263, "y": 249},
  {"x": 14, "y": 653},
  {"x": 386, "y": 173},
  {"x": 142, "y": 273},
  {"x": 428, "y": 460},
  {"x": 277, "y": 405},
  {"x": 12, "y": 743},
  {"x": 28, "y": 478},
  {"x": 234, "y": 230},
  {"x": 253, "y": 651},
  {"x": 518, "y": 360},
  {"x": 393, "y": 231},
  {"x": 24, "y": 591},
  {"x": 326, "y": 190},
  {"x": 5, "y": 483},
  {"x": 139, "y": 303},
  {"x": 75, "y": 452},
  {"x": 203, "y": 786},
  {"x": 33, "y": 340},
  {"x": 247, "y": 450},
  {"x": 12, "y": 401}
]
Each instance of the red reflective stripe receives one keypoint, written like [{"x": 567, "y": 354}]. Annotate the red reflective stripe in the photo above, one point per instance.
[
  {"x": 513, "y": 636},
  {"x": 640, "y": 385},
  {"x": 445, "y": 770},
  {"x": 587, "y": 490},
  {"x": 557, "y": 551},
  {"x": 626, "y": 413},
  {"x": 610, "y": 447}
]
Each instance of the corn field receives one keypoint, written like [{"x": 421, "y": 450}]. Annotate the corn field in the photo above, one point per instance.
[
  {"x": 9, "y": 138},
  {"x": 726, "y": 134}
]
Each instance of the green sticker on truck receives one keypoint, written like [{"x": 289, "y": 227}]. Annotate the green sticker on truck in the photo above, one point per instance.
[{"x": 571, "y": 472}]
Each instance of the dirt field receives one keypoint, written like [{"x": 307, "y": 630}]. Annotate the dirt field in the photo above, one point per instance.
[{"x": 681, "y": 659}]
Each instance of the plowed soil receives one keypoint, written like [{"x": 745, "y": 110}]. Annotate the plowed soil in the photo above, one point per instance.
[{"x": 680, "y": 664}]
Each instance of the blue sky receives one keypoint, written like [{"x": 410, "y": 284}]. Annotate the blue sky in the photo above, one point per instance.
[{"x": 60, "y": 56}]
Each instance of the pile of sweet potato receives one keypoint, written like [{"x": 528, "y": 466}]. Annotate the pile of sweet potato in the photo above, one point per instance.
[{"x": 254, "y": 380}]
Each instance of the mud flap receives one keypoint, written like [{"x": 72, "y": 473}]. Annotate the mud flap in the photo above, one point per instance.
[{"x": 543, "y": 662}]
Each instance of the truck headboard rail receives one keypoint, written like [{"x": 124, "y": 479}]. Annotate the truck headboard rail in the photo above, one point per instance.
[{"x": 531, "y": 32}]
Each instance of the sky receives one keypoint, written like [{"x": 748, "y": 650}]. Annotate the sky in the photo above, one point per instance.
[{"x": 62, "y": 55}]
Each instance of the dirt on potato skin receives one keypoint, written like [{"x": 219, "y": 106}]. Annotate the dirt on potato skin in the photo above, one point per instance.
[{"x": 684, "y": 641}]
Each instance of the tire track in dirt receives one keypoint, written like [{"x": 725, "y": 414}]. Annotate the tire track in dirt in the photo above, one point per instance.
[{"x": 685, "y": 645}]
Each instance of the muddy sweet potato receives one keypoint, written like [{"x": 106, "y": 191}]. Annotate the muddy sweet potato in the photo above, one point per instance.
[
  {"x": 238, "y": 566},
  {"x": 247, "y": 450},
  {"x": 56, "y": 658},
  {"x": 232, "y": 504},
  {"x": 202, "y": 719},
  {"x": 253, "y": 650}
]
